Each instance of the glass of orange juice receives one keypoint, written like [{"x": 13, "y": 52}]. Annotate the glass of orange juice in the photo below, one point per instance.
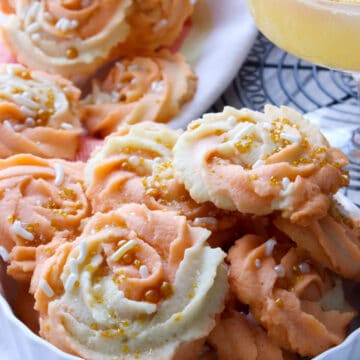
[{"x": 324, "y": 32}]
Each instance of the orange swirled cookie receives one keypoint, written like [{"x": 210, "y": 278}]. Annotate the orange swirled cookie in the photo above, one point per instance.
[
  {"x": 38, "y": 199},
  {"x": 260, "y": 162},
  {"x": 137, "y": 284},
  {"x": 154, "y": 24},
  {"x": 39, "y": 113},
  {"x": 333, "y": 241},
  {"x": 135, "y": 165},
  {"x": 238, "y": 337},
  {"x": 287, "y": 294},
  {"x": 139, "y": 89},
  {"x": 72, "y": 38}
]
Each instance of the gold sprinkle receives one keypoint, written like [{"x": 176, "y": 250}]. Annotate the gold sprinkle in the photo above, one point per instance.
[
  {"x": 166, "y": 289},
  {"x": 152, "y": 296},
  {"x": 254, "y": 177},
  {"x": 274, "y": 181},
  {"x": 178, "y": 317},
  {"x": 67, "y": 194},
  {"x": 72, "y": 53},
  {"x": 11, "y": 219},
  {"x": 47, "y": 327},
  {"x": 94, "y": 326},
  {"x": 279, "y": 302},
  {"x": 137, "y": 263}
]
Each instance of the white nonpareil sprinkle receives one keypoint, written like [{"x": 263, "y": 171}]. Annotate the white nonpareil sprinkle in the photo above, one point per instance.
[
  {"x": 205, "y": 221},
  {"x": 267, "y": 126},
  {"x": 10, "y": 70},
  {"x": 20, "y": 231},
  {"x": 157, "y": 86},
  {"x": 35, "y": 37},
  {"x": 70, "y": 282},
  {"x": 66, "y": 126},
  {"x": 258, "y": 263},
  {"x": 161, "y": 24},
  {"x": 59, "y": 174},
  {"x": 83, "y": 252},
  {"x": 64, "y": 24},
  {"x": 280, "y": 270},
  {"x": 144, "y": 272},
  {"x": 134, "y": 160},
  {"x": 231, "y": 120},
  {"x": 122, "y": 250},
  {"x": 258, "y": 163},
  {"x": 7, "y": 123},
  {"x": 29, "y": 121},
  {"x": 304, "y": 268},
  {"x": 244, "y": 131},
  {"x": 45, "y": 287},
  {"x": 269, "y": 247},
  {"x": 285, "y": 182},
  {"x": 35, "y": 26},
  {"x": 291, "y": 137},
  {"x": 4, "y": 254},
  {"x": 27, "y": 111}
]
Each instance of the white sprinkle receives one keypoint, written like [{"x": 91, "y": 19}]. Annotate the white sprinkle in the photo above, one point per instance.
[
  {"x": 35, "y": 37},
  {"x": 231, "y": 120},
  {"x": 24, "y": 100},
  {"x": 73, "y": 265},
  {"x": 157, "y": 86},
  {"x": 205, "y": 221},
  {"x": 10, "y": 70},
  {"x": 285, "y": 182},
  {"x": 291, "y": 137},
  {"x": 33, "y": 10},
  {"x": 70, "y": 282},
  {"x": 96, "y": 260},
  {"x": 267, "y": 126},
  {"x": 280, "y": 270},
  {"x": 74, "y": 24},
  {"x": 29, "y": 121},
  {"x": 82, "y": 252},
  {"x": 18, "y": 127},
  {"x": 4, "y": 254},
  {"x": 122, "y": 250},
  {"x": 7, "y": 123},
  {"x": 258, "y": 163},
  {"x": 161, "y": 24},
  {"x": 35, "y": 26},
  {"x": 97, "y": 287},
  {"x": 269, "y": 247},
  {"x": 304, "y": 268},
  {"x": 66, "y": 126},
  {"x": 45, "y": 287},
  {"x": 134, "y": 160},
  {"x": 258, "y": 263},
  {"x": 244, "y": 131},
  {"x": 48, "y": 16},
  {"x": 133, "y": 81},
  {"x": 59, "y": 174},
  {"x": 20, "y": 231},
  {"x": 157, "y": 160},
  {"x": 144, "y": 273},
  {"x": 27, "y": 111}
]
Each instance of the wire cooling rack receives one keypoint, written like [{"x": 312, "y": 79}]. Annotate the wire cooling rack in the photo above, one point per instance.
[{"x": 271, "y": 75}]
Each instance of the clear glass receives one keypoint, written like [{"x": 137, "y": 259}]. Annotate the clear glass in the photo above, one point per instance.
[{"x": 324, "y": 32}]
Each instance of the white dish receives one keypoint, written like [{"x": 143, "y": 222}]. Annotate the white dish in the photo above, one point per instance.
[{"x": 216, "y": 47}]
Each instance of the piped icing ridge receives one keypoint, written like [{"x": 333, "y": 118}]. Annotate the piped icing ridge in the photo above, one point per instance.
[
  {"x": 135, "y": 165},
  {"x": 333, "y": 241},
  {"x": 39, "y": 113},
  {"x": 71, "y": 38},
  {"x": 141, "y": 88},
  {"x": 258, "y": 163},
  {"x": 286, "y": 293},
  {"x": 135, "y": 282},
  {"x": 39, "y": 199}
]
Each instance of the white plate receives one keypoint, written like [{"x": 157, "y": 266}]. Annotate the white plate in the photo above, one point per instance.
[{"x": 216, "y": 48}]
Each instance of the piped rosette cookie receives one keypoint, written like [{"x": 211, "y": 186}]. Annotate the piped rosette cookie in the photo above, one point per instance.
[
  {"x": 258, "y": 163},
  {"x": 39, "y": 199},
  {"x": 135, "y": 165},
  {"x": 142, "y": 88},
  {"x": 39, "y": 113},
  {"x": 333, "y": 241},
  {"x": 288, "y": 294},
  {"x": 135, "y": 284},
  {"x": 154, "y": 24},
  {"x": 71, "y": 38}
]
